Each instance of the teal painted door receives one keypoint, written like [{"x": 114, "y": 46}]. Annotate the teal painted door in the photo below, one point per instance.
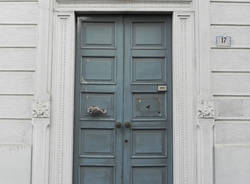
[{"x": 123, "y": 100}]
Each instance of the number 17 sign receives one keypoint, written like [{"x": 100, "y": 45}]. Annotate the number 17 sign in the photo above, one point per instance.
[{"x": 223, "y": 41}]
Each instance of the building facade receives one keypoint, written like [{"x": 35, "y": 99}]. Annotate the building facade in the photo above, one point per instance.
[{"x": 119, "y": 91}]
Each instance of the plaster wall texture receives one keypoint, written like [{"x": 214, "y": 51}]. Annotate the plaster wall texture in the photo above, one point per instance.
[
  {"x": 18, "y": 30},
  {"x": 230, "y": 72}
]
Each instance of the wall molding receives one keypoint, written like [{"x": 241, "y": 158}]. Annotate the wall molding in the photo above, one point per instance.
[
  {"x": 61, "y": 144},
  {"x": 121, "y": 6},
  {"x": 205, "y": 110},
  {"x": 41, "y": 102},
  {"x": 113, "y": 1},
  {"x": 183, "y": 98}
]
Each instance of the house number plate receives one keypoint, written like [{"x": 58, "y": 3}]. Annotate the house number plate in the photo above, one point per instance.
[{"x": 223, "y": 41}]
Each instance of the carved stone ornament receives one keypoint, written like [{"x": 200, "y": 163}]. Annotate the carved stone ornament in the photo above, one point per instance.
[
  {"x": 206, "y": 110},
  {"x": 41, "y": 109}
]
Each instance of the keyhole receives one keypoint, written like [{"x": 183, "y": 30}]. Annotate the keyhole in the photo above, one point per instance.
[{"x": 126, "y": 141}]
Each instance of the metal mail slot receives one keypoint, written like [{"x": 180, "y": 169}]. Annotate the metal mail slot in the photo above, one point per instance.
[{"x": 162, "y": 88}]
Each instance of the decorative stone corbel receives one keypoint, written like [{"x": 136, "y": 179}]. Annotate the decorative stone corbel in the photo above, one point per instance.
[
  {"x": 206, "y": 109},
  {"x": 41, "y": 122},
  {"x": 41, "y": 109},
  {"x": 205, "y": 142}
]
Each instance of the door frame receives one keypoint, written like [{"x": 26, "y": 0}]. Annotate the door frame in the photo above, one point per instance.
[{"x": 184, "y": 97}]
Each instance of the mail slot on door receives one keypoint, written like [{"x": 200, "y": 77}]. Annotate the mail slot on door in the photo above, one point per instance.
[{"x": 162, "y": 88}]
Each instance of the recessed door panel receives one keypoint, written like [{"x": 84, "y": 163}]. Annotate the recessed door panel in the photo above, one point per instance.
[
  {"x": 148, "y": 142},
  {"x": 146, "y": 69},
  {"x": 105, "y": 101},
  {"x": 148, "y": 105},
  {"x": 149, "y": 175},
  {"x": 97, "y": 142},
  {"x": 98, "y": 34},
  {"x": 148, "y": 34},
  {"x": 97, "y": 69},
  {"x": 123, "y": 100},
  {"x": 97, "y": 175}
]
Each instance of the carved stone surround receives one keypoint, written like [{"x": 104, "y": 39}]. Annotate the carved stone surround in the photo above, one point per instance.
[{"x": 63, "y": 98}]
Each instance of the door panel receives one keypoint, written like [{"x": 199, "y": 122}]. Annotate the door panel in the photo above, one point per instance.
[
  {"x": 123, "y": 67},
  {"x": 99, "y": 74},
  {"x": 147, "y": 62}
]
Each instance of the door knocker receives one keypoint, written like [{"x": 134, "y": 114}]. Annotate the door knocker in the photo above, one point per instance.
[{"x": 96, "y": 111}]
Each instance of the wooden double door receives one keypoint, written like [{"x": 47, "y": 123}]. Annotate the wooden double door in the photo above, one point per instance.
[{"x": 123, "y": 100}]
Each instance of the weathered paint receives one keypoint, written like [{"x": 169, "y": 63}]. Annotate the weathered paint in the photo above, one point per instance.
[{"x": 120, "y": 62}]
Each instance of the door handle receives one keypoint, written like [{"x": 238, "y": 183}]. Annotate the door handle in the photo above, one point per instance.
[
  {"x": 128, "y": 124},
  {"x": 118, "y": 125}
]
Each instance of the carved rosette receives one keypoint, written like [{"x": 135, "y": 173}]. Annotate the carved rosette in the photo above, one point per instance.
[
  {"x": 41, "y": 109},
  {"x": 206, "y": 110}
]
